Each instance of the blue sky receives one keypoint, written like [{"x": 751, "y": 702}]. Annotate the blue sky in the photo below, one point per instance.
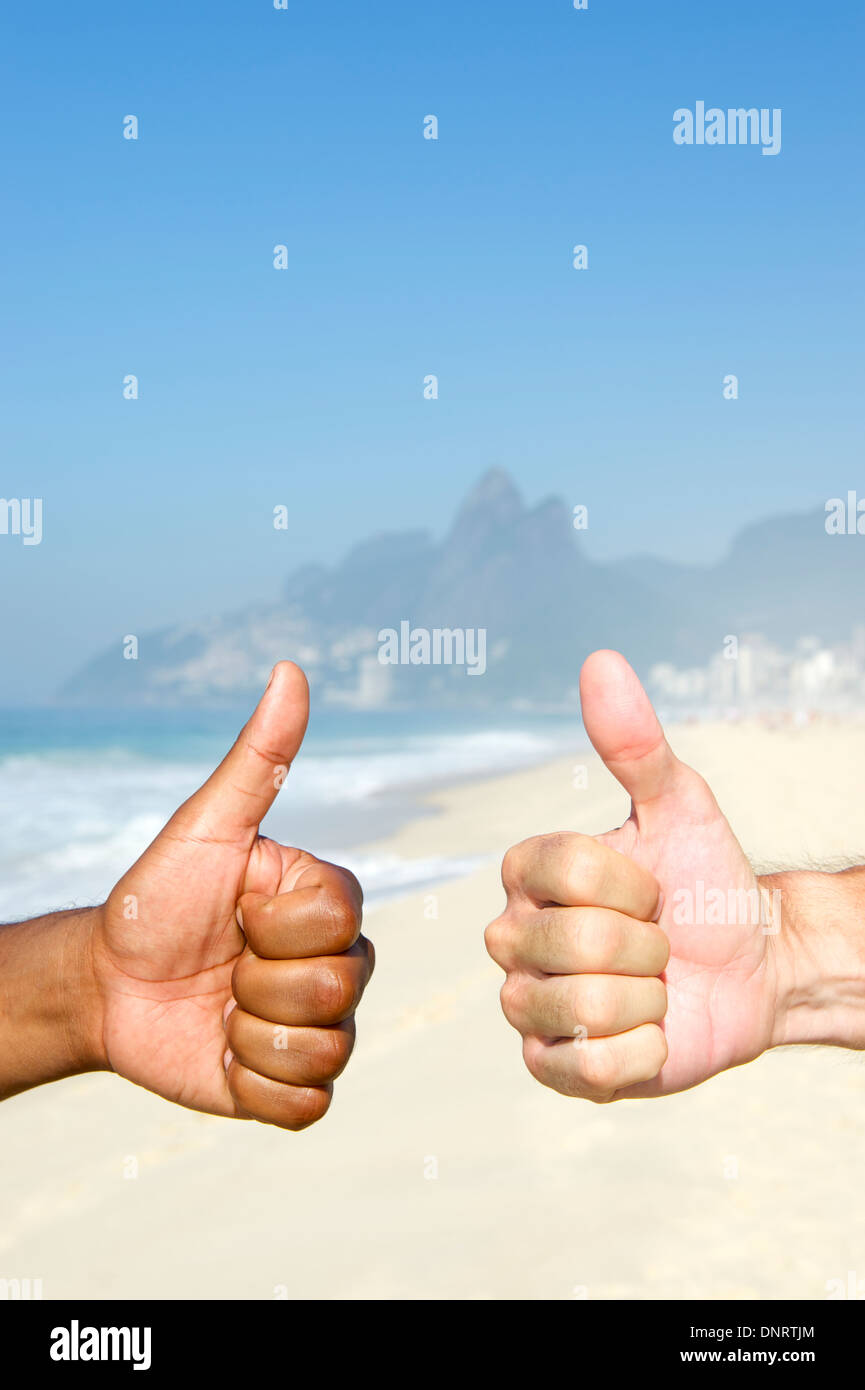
[{"x": 408, "y": 257}]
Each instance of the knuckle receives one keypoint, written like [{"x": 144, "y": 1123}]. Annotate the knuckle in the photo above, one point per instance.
[
  {"x": 369, "y": 954},
  {"x": 553, "y": 1074},
  {"x": 566, "y": 1019},
  {"x": 511, "y": 995},
  {"x": 532, "y": 1060},
  {"x": 333, "y": 993},
  {"x": 603, "y": 941},
  {"x": 512, "y": 866},
  {"x": 664, "y": 947},
  {"x": 519, "y": 856},
  {"x": 333, "y": 1050},
  {"x": 234, "y": 1030},
  {"x": 658, "y": 1048},
  {"x": 240, "y": 981},
  {"x": 598, "y": 1072},
  {"x": 611, "y": 941},
  {"x": 584, "y": 865},
  {"x": 261, "y": 921},
  {"x": 594, "y": 1003},
  {"x": 491, "y": 938},
  {"x": 495, "y": 940},
  {"x": 356, "y": 884},
  {"x": 307, "y": 1106},
  {"x": 659, "y": 1006},
  {"x": 343, "y": 921}
]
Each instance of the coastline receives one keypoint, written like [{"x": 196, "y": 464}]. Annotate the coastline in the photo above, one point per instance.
[{"x": 443, "y": 1170}]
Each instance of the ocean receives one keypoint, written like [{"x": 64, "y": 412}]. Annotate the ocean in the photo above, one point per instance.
[{"x": 83, "y": 792}]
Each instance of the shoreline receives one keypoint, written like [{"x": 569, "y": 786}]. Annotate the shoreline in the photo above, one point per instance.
[
  {"x": 455, "y": 1174},
  {"x": 486, "y": 806}
]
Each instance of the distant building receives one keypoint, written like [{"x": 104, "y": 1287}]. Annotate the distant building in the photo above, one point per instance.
[{"x": 757, "y": 676}]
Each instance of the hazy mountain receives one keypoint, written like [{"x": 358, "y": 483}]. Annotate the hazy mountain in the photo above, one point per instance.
[{"x": 521, "y": 574}]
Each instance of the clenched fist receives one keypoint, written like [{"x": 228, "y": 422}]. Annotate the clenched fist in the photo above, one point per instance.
[
  {"x": 647, "y": 959},
  {"x": 225, "y": 969}
]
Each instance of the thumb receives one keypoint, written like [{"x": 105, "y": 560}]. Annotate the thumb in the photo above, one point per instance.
[
  {"x": 625, "y": 731},
  {"x": 237, "y": 796}
]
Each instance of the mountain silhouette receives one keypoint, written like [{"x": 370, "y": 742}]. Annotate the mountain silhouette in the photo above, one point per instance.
[{"x": 520, "y": 573}]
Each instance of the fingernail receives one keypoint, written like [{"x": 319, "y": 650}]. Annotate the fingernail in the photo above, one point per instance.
[
  {"x": 227, "y": 1059},
  {"x": 239, "y": 915},
  {"x": 229, "y": 1009}
]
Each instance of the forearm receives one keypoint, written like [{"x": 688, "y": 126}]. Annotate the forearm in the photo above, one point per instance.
[
  {"x": 819, "y": 954},
  {"x": 49, "y": 1005}
]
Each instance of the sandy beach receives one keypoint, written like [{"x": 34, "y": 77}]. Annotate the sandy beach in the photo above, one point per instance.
[{"x": 443, "y": 1170}]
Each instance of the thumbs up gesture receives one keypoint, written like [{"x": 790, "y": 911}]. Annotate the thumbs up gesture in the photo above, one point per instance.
[
  {"x": 642, "y": 961},
  {"x": 227, "y": 967}
]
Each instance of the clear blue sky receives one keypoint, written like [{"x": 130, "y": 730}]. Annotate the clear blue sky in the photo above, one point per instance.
[{"x": 408, "y": 257}]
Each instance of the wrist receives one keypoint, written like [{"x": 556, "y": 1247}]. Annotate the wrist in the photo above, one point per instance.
[
  {"x": 819, "y": 954},
  {"x": 50, "y": 1003},
  {"x": 83, "y": 1010}
]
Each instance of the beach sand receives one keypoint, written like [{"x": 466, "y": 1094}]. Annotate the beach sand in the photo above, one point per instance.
[{"x": 443, "y": 1170}]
